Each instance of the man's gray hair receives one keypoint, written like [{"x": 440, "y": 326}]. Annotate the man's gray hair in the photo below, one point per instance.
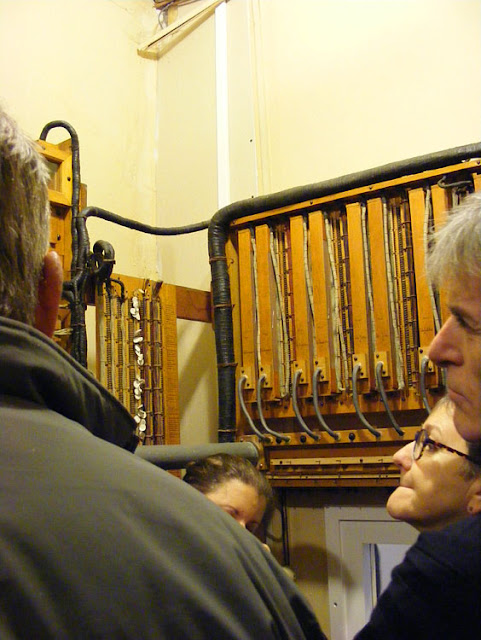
[
  {"x": 24, "y": 221},
  {"x": 456, "y": 248}
]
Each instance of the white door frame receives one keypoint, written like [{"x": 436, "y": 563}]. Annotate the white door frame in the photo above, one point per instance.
[{"x": 348, "y": 529}]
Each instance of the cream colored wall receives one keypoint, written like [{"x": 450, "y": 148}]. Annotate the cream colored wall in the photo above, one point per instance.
[
  {"x": 76, "y": 60},
  {"x": 353, "y": 84},
  {"x": 187, "y": 193}
]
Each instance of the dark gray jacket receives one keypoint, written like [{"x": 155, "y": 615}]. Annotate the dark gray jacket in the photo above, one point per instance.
[{"x": 97, "y": 543}]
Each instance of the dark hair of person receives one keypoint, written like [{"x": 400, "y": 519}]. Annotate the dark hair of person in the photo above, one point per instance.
[{"x": 208, "y": 474}]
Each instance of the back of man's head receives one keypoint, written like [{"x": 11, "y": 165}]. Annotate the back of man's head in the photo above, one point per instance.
[
  {"x": 456, "y": 250},
  {"x": 24, "y": 221}
]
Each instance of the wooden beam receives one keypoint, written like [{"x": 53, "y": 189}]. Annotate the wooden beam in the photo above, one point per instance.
[{"x": 193, "y": 304}]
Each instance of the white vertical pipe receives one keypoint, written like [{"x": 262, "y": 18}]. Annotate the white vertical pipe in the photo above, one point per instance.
[{"x": 222, "y": 105}]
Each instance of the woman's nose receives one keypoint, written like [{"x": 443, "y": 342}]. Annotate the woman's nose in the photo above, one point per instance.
[
  {"x": 444, "y": 349},
  {"x": 403, "y": 458}
]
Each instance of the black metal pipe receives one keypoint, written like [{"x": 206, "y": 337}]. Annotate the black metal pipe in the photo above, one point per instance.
[
  {"x": 217, "y": 238},
  {"x": 80, "y": 249},
  {"x": 173, "y": 456},
  {"x": 97, "y": 212}
]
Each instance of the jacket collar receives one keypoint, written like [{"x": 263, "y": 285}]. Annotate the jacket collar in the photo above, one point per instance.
[{"x": 34, "y": 368}]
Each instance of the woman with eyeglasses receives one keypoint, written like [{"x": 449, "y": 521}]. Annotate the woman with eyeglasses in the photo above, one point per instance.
[{"x": 440, "y": 475}]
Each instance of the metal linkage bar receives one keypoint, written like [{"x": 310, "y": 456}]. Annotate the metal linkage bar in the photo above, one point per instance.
[{"x": 175, "y": 456}]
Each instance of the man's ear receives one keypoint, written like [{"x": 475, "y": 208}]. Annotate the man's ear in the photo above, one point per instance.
[
  {"x": 474, "y": 502},
  {"x": 49, "y": 293}
]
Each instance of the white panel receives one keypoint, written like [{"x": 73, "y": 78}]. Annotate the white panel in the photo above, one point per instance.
[{"x": 348, "y": 530}]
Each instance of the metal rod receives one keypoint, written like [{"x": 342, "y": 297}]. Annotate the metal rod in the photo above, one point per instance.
[{"x": 173, "y": 456}]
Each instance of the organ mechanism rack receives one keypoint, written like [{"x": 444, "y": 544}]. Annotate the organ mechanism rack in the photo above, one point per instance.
[{"x": 333, "y": 317}]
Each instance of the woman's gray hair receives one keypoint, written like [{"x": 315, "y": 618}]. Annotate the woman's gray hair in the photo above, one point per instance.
[
  {"x": 456, "y": 247},
  {"x": 24, "y": 221}
]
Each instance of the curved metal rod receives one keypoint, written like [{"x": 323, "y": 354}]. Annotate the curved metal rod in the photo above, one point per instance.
[
  {"x": 422, "y": 383},
  {"x": 281, "y": 436},
  {"x": 355, "y": 399},
  {"x": 240, "y": 392},
  {"x": 303, "y": 425},
  {"x": 382, "y": 391},
  {"x": 315, "y": 399}
]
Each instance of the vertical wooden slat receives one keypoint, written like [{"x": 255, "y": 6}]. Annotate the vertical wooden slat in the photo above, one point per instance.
[
  {"x": 170, "y": 364},
  {"x": 425, "y": 313},
  {"x": 265, "y": 312},
  {"x": 359, "y": 289},
  {"x": 321, "y": 301},
  {"x": 247, "y": 306},
  {"x": 300, "y": 304},
  {"x": 426, "y": 325},
  {"x": 379, "y": 285},
  {"x": 441, "y": 204}
]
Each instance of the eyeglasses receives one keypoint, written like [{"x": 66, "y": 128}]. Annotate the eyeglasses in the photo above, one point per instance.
[{"x": 422, "y": 440}]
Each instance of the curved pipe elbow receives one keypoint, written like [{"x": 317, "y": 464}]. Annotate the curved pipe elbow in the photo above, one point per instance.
[
  {"x": 422, "y": 383},
  {"x": 240, "y": 393},
  {"x": 276, "y": 434},
  {"x": 355, "y": 399}
]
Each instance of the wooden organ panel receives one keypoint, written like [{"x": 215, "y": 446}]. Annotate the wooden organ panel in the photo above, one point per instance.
[
  {"x": 137, "y": 354},
  {"x": 335, "y": 315}
]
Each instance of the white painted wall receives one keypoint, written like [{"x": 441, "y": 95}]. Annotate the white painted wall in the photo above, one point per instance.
[
  {"x": 353, "y": 84},
  {"x": 77, "y": 61}
]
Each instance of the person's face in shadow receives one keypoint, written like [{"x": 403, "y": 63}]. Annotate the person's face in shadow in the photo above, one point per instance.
[
  {"x": 457, "y": 347},
  {"x": 241, "y": 501},
  {"x": 435, "y": 491}
]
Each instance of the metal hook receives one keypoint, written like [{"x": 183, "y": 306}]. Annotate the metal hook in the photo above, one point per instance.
[
  {"x": 382, "y": 391},
  {"x": 315, "y": 399},
  {"x": 304, "y": 426},
  {"x": 240, "y": 393},
  {"x": 355, "y": 371},
  {"x": 281, "y": 436},
  {"x": 422, "y": 383}
]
